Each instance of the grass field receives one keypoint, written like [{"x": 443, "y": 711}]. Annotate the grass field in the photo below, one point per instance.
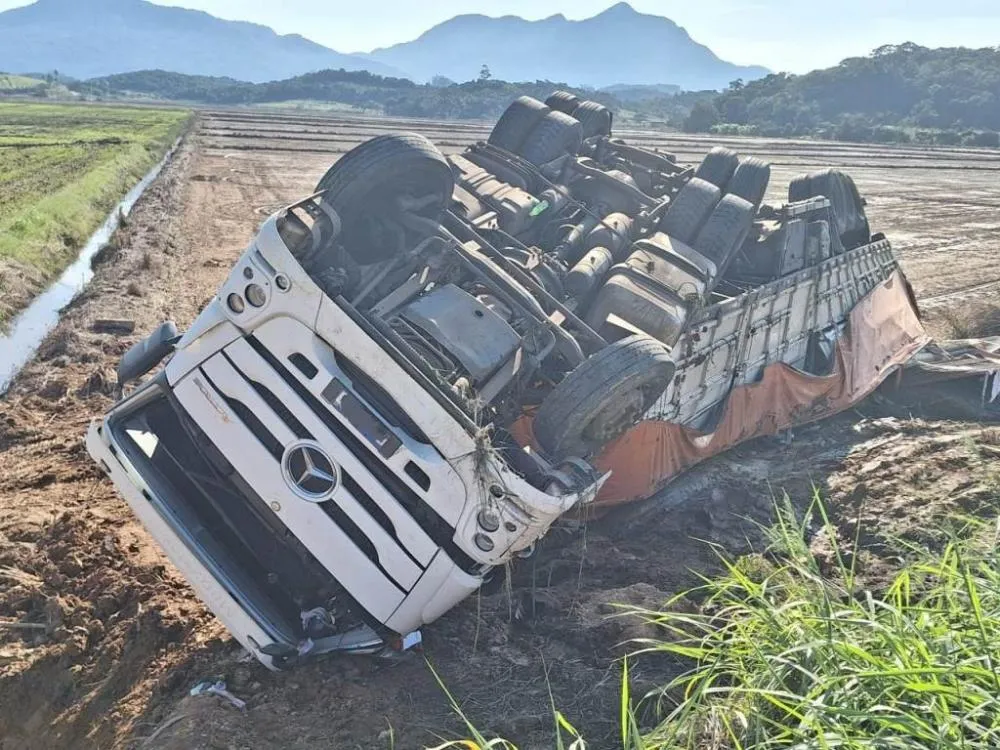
[
  {"x": 8, "y": 81},
  {"x": 62, "y": 169}
]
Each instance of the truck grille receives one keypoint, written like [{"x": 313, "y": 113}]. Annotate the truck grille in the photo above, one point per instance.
[
  {"x": 376, "y": 535},
  {"x": 223, "y": 520},
  {"x": 436, "y": 527}
]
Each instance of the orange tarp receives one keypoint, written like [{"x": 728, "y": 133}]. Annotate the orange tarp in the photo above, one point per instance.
[{"x": 884, "y": 331}]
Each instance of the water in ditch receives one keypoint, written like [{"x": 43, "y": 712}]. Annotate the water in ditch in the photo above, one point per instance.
[{"x": 25, "y": 334}]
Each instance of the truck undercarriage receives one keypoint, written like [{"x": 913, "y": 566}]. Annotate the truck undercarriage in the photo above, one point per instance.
[{"x": 411, "y": 374}]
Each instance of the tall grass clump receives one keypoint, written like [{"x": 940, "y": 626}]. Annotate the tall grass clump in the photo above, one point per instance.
[
  {"x": 786, "y": 655},
  {"x": 789, "y": 652}
]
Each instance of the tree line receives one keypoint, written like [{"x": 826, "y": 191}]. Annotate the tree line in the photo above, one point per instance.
[{"x": 484, "y": 98}]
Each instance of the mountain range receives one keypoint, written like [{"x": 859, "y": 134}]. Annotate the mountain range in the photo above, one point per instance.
[
  {"x": 618, "y": 46},
  {"x": 90, "y": 38}
]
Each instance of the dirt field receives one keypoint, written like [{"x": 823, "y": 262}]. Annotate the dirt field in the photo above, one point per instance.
[{"x": 124, "y": 639}]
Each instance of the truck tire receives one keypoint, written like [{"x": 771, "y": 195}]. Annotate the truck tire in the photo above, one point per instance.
[
  {"x": 750, "y": 180},
  {"x": 689, "y": 210},
  {"x": 725, "y": 230},
  {"x": 557, "y": 134},
  {"x": 718, "y": 166},
  {"x": 603, "y": 397},
  {"x": 848, "y": 208},
  {"x": 517, "y": 121},
  {"x": 563, "y": 101},
  {"x": 595, "y": 119},
  {"x": 364, "y": 184},
  {"x": 854, "y": 228},
  {"x": 862, "y": 234},
  {"x": 798, "y": 189}
]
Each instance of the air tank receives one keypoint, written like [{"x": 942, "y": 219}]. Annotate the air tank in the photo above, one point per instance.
[{"x": 588, "y": 272}]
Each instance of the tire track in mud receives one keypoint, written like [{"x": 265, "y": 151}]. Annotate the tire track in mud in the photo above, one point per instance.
[{"x": 958, "y": 295}]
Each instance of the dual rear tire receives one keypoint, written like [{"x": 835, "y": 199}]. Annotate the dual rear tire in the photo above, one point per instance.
[
  {"x": 848, "y": 208},
  {"x": 541, "y": 132}
]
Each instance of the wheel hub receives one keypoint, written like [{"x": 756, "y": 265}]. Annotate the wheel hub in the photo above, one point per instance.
[{"x": 615, "y": 418}]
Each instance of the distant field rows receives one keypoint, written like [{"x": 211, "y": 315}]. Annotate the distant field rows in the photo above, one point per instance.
[
  {"x": 938, "y": 205},
  {"x": 62, "y": 169}
]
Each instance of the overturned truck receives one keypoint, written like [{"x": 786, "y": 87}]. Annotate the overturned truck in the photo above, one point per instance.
[{"x": 411, "y": 374}]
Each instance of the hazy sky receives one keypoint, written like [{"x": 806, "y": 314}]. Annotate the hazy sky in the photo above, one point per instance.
[{"x": 781, "y": 34}]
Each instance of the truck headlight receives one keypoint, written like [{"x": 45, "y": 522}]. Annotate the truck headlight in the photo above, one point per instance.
[{"x": 256, "y": 295}]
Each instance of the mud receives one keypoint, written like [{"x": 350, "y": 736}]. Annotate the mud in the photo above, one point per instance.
[{"x": 119, "y": 639}]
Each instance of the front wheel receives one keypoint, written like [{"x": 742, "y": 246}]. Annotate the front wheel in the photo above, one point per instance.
[
  {"x": 367, "y": 185},
  {"x": 603, "y": 397}
]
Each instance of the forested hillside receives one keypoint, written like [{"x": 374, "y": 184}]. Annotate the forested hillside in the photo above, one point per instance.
[{"x": 898, "y": 93}]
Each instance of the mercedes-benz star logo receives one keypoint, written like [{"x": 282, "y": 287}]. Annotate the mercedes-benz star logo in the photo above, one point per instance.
[{"x": 310, "y": 472}]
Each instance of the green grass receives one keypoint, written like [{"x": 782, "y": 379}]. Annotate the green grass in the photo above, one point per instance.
[
  {"x": 784, "y": 653},
  {"x": 62, "y": 169},
  {"x": 788, "y": 656},
  {"x": 8, "y": 81}
]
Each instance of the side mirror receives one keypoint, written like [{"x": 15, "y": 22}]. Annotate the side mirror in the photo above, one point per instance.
[{"x": 148, "y": 353}]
